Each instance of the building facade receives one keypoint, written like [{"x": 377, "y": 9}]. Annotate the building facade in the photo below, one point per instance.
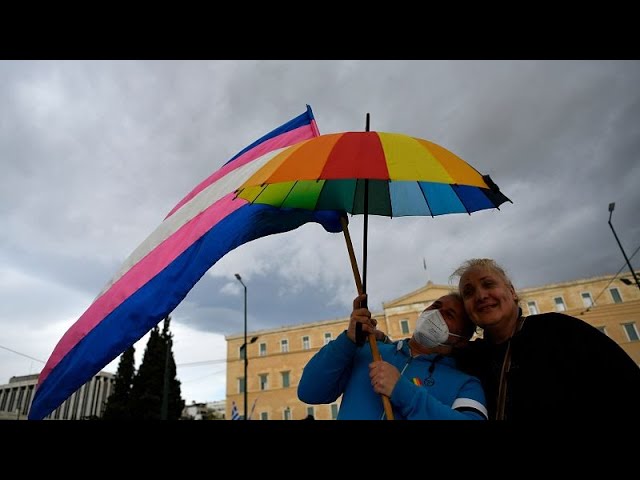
[
  {"x": 204, "y": 411},
  {"x": 218, "y": 408},
  {"x": 195, "y": 411},
  {"x": 89, "y": 401},
  {"x": 276, "y": 359}
]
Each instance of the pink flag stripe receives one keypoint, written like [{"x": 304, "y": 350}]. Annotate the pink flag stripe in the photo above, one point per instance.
[
  {"x": 140, "y": 274},
  {"x": 284, "y": 140}
]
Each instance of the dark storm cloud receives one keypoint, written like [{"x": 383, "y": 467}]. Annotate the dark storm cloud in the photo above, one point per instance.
[
  {"x": 95, "y": 153},
  {"x": 209, "y": 308}
]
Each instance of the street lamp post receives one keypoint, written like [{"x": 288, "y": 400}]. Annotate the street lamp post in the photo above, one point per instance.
[
  {"x": 243, "y": 348},
  {"x": 611, "y": 207},
  {"x": 244, "y": 345}
]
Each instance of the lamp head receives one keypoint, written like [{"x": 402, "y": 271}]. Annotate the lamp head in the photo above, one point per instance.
[
  {"x": 253, "y": 339},
  {"x": 612, "y": 206},
  {"x": 240, "y": 278}
]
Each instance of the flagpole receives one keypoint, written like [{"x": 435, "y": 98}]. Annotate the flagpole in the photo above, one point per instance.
[
  {"x": 253, "y": 408},
  {"x": 426, "y": 272}
]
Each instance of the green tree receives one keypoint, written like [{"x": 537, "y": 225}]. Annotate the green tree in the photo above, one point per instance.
[
  {"x": 148, "y": 391},
  {"x": 173, "y": 404},
  {"x": 118, "y": 403}
]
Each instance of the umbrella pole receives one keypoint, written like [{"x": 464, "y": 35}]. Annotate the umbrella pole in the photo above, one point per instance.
[
  {"x": 366, "y": 226},
  {"x": 372, "y": 338},
  {"x": 352, "y": 255}
]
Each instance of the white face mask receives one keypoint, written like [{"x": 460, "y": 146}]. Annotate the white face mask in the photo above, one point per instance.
[{"x": 431, "y": 329}]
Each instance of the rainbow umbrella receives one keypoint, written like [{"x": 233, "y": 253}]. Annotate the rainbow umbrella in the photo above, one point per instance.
[
  {"x": 404, "y": 176},
  {"x": 381, "y": 173}
]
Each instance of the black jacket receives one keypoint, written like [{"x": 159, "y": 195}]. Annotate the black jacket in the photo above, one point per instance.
[{"x": 561, "y": 368}]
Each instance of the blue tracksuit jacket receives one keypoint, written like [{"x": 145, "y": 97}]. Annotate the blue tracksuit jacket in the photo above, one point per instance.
[{"x": 341, "y": 368}]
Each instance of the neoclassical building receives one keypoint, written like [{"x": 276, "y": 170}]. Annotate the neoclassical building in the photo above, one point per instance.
[
  {"x": 277, "y": 357},
  {"x": 88, "y": 401}
]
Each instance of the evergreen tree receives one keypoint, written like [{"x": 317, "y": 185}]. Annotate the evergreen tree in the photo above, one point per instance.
[
  {"x": 147, "y": 384},
  {"x": 147, "y": 393},
  {"x": 118, "y": 402},
  {"x": 173, "y": 399}
]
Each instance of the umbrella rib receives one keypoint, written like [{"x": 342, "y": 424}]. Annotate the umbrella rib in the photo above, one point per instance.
[
  {"x": 353, "y": 205},
  {"x": 315, "y": 204},
  {"x": 454, "y": 191},
  {"x": 426, "y": 200},
  {"x": 390, "y": 202},
  {"x": 264, "y": 187},
  {"x": 288, "y": 193}
]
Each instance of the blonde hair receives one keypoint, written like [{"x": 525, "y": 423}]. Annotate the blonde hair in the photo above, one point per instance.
[{"x": 487, "y": 263}]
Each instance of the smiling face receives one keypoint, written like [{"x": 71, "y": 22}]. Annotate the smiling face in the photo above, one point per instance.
[{"x": 489, "y": 299}]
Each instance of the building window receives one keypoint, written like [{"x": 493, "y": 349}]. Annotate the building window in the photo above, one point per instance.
[
  {"x": 65, "y": 413},
  {"x": 602, "y": 329},
  {"x": 27, "y": 403},
  {"x": 334, "y": 411},
  {"x": 286, "y": 414},
  {"x": 241, "y": 385},
  {"x": 263, "y": 349},
  {"x": 264, "y": 416},
  {"x": 241, "y": 351},
  {"x": 306, "y": 344},
  {"x": 311, "y": 411},
  {"x": 327, "y": 337},
  {"x": 586, "y": 299},
  {"x": 560, "y": 306},
  {"x": 615, "y": 294},
  {"x": 76, "y": 402},
  {"x": 285, "y": 379},
  {"x": 404, "y": 326},
  {"x": 12, "y": 399},
  {"x": 264, "y": 381},
  {"x": 20, "y": 395},
  {"x": 631, "y": 331},
  {"x": 85, "y": 401},
  {"x": 284, "y": 345},
  {"x": 533, "y": 308}
]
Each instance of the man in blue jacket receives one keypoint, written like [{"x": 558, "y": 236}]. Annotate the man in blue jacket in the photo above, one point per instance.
[{"x": 418, "y": 374}]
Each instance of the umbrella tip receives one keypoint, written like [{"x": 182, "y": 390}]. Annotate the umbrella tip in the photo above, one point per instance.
[{"x": 490, "y": 183}]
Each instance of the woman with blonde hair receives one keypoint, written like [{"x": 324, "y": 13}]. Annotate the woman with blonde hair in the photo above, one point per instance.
[{"x": 549, "y": 365}]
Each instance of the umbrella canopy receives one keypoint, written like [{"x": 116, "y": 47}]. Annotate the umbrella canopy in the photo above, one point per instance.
[{"x": 406, "y": 176}]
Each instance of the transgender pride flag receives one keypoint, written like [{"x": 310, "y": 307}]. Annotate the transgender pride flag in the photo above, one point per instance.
[{"x": 203, "y": 227}]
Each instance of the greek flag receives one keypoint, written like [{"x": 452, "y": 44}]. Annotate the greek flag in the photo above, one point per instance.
[{"x": 234, "y": 411}]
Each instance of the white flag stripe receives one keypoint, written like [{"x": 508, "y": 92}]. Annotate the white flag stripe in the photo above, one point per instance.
[{"x": 189, "y": 210}]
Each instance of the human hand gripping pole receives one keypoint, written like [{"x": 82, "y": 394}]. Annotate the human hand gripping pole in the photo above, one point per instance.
[{"x": 372, "y": 337}]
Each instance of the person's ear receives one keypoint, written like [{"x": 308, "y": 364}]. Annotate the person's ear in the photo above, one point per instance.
[{"x": 514, "y": 295}]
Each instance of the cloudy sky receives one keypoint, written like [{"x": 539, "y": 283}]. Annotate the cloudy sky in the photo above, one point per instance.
[{"x": 94, "y": 154}]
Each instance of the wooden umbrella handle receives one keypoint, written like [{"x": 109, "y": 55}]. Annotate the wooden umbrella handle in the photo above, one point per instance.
[{"x": 372, "y": 337}]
